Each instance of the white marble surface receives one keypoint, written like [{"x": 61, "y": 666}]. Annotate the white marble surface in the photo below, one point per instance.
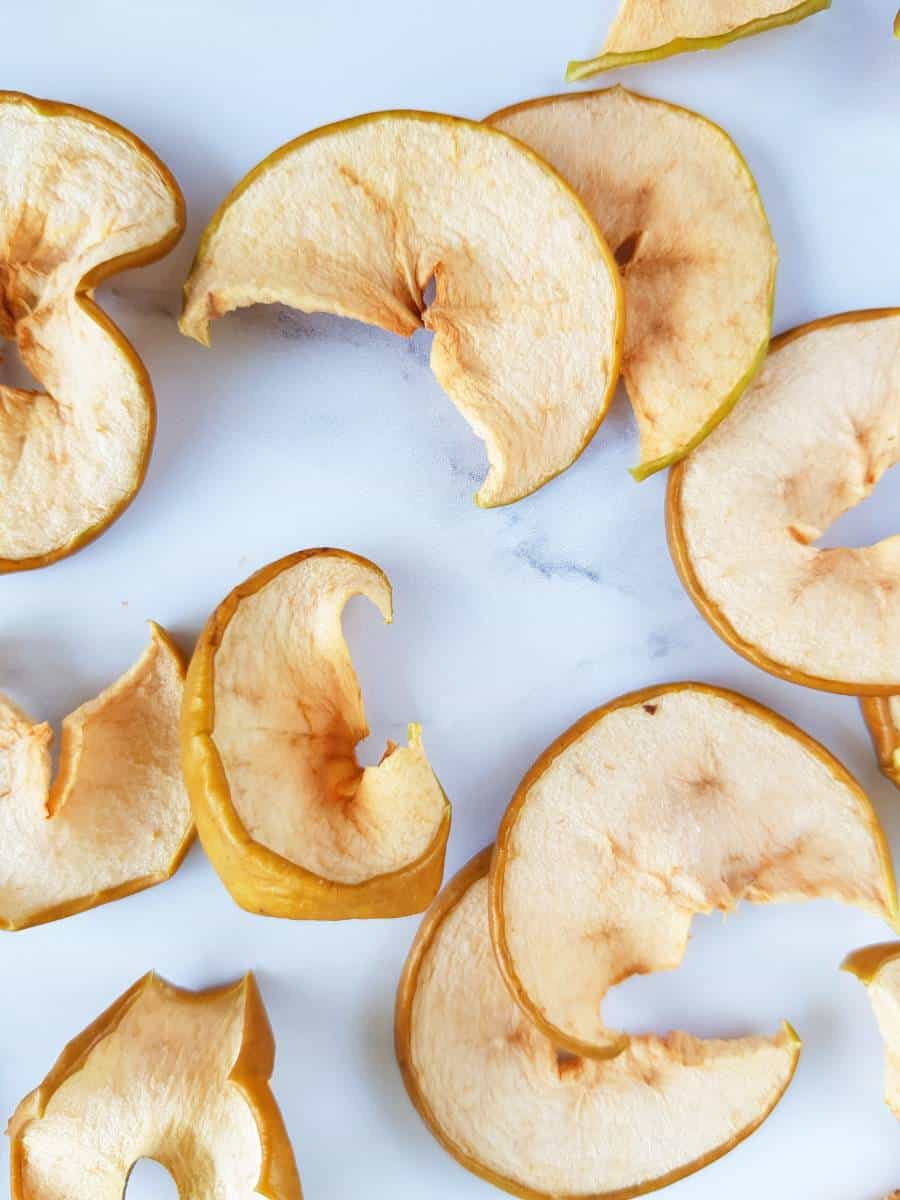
[{"x": 300, "y": 431}]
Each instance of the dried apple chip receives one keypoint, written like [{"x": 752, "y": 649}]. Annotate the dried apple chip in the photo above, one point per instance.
[
  {"x": 272, "y": 717},
  {"x": 878, "y": 969},
  {"x": 116, "y": 818},
  {"x": 357, "y": 218},
  {"x": 811, "y": 438},
  {"x": 645, "y": 30},
  {"x": 176, "y": 1076},
  {"x": 679, "y": 207},
  {"x": 80, "y": 199},
  {"x": 500, "y": 1098},
  {"x": 882, "y": 715},
  {"x": 676, "y": 800}
]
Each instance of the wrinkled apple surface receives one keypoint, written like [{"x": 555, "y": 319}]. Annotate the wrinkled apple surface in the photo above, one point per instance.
[
  {"x": 647, "y": 29},
  {"x": 176, "y": 1076},
  {"x": 682, "y": 213},
  {"x": 811, "y": 438},
  {"x": 878, "y": 968},
  {"x": 678, "y": 800},
  {"x": 500, "y": 1098},
  {"x": 272, "y": 717},
  {"x": 357, "y": 218},
  {"x": 882, "y": 715},
  {"x": 117, "y": 818},
  {"x": 80, "y": 198}
]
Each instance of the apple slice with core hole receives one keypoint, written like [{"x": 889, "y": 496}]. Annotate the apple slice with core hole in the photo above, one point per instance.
[
  {"x": 679, "y": 207},
  {"x": 878, "y": 968},
  {"x": 356, "y": 219},
  {"x": 116, "y": 818},
  {"x": 272, "y": 716},
  {"x": 645, "y": 30},
  {"x": 500, "y": 1098},
  {"x": 676, "y": 800},
  {"x": 811, "y": 439},
  {"x": 176, "y": 1076},
  {"x": 80, "y": 199},
  {"x": 882, "y": 715}
]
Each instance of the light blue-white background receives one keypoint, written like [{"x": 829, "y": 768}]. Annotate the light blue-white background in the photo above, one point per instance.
[{"x": 297, "y": 431}]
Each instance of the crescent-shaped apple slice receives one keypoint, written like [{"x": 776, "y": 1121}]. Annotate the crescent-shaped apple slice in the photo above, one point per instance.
[
  {"x": 673, "y": 801},
  {"x": 356, "y": 219},
  {"x": 693, "y": 243},
  {"x": 116, "y": 818},
  {"x": 272, "y": 717},
  {"x": 645, "y": 30},
  {"x": 882, "y": 715},
  {"x": 500, "y": 1098},
  {"x": 812, "y": 437},
  {"x": 80, "y": 199},
  {"x": 176, "y": 1076},
  {"x": 878, "y": 969}
]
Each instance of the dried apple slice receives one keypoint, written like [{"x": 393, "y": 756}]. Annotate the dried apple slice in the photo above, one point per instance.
[
  {"x": 878, "y": 969},
  {"x": 500, "y": 1098},
  {"x": 676, "y": 800},
  {"x": 882, "y": 715},
  {"x": 693, "y": 243},
  {"x": 645, "y": 30},
  {"x": 812, "y": 437},
  {"x": 176, "y": 1076},
  {"x": 80, "y": 199},
  {"x": 356, "y": 219},
  {"x": 272, "y": 717},
  {"x": 117, "y": 817}
]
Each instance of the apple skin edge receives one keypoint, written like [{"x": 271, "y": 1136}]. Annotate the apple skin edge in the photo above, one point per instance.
[
  {"x": 84, "y": 297},
  {"x": 580, "y": 69},
  {"x": 476, "y": 869},
  {"x": 711, "y": 613},
  {"x": 885, "y": 734},
  {"x": 278, "y": 1178},
  {"x": 259, "y": 879}
]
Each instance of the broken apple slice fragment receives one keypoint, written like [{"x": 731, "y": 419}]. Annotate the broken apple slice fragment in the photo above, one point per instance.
[
  {"x": 357, "y": 218},
  {"x": 882, "y": 715},
  {"x": 811, "y": 439},
  {"x": 693, "y": 244},
  {"x": 80, "y": 199},
  {"x": 176, "y": 1076},
  {"x": 878, "y": 968},
  {"x": 116, "y": 818},
  {"x": 271, "y": 720},
  {"x": 507, "y": 1105},
  {"x": 645, "y": 30},
  {"x": 673, "y": 801}
]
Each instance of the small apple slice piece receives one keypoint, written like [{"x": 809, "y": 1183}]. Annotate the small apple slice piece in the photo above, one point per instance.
[
  {"x": 356, "y": 219},
  {"x": 812, "y": 437},
  {"x": 80, "y": 199},
  {"x": 271, "y": 720},
  {"x": 645, "y": 30},
  {"x": 676, "y": 800},
  {"x": 693, "y": 243},
  {"x": 177, "y": 1076},
  {"x": 882, "y": 715},
  {"x": 116, "y": 819},
  {"x": 500, "y": 1098},
  {"x": 878, "y": 968}
]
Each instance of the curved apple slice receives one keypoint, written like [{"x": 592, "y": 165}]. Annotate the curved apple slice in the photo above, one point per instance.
[
  {"x": 693, "y": 243},
  {"x": 357, "y": 218},
  {"x": 878, "y": 968},
  {"x": 272, "y": 716},
  {"x": 80, "y": 199},
  {"x": 177, "y": 1076},
  {"x": 645, "y": 30},
  {"x": 882, "y": 715},
  {"x": 811, "y": 439},
  {"x": 117, "y": 818},
  {"x": 676, "y": 800},
  {"x": 500, "y": 1098}
]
